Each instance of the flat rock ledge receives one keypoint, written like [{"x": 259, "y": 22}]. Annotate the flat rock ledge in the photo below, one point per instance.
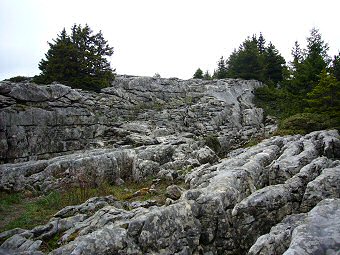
[{"x": 281, "y": 196}]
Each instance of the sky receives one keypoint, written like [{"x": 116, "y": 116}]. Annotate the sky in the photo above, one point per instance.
[{"x": 169, "y": 37}]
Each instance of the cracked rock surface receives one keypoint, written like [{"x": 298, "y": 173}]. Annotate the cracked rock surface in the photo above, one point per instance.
[
  {"x": 45, "y": 121},
  {"x": 281, "y": 195}
]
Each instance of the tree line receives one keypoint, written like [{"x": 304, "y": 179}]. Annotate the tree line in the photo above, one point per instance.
[{"x": 304, "y": 93}]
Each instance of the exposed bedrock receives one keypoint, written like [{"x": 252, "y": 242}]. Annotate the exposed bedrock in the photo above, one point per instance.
[
  {"x": 40, "y": 122},
  {"x": 233, "y": 206}
]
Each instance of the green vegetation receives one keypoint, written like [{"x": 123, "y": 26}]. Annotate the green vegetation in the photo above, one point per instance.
[
  {"x": 253, "y": 60},
  {"x": 304, "y": 94},
  {"x": 19, "y": 79},
  {"x": 198, "y": 74},
  {"x": 213, "y": 143},
  {"x": 78, "y": 60},
  {"x": 19, "y": 210}
]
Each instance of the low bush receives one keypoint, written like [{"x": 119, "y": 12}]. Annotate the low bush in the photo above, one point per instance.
[{"x": 303, "y": 123}]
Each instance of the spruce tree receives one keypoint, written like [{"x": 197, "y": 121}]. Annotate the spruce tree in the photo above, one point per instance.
[
  {"x": 207, "y": 75},
  {"x": 261, "y": 44},
  {"x": 297, "y": 55},
  {"x": 246, "y": 63},
  {"x": 221, "y": 72},
  {"x": 78, "y": 60},
  {"x": 198, "y": 74},
  {"x": 336, "y": 67},
  {"x": 274, "y": 65},
  {"x": 308, "y": 67},
  {"x": 325, "y": 96}
]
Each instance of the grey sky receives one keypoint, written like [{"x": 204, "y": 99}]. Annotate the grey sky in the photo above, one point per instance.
[{"x": 169, "y": 37}]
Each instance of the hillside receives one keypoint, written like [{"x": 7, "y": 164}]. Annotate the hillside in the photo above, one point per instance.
[{"x": 280, "y": 196}]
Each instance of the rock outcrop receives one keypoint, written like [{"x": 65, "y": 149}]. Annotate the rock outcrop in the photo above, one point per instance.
[
  {"x": 232, "y": 206},
  {"x": 40, "y": 122},
  {"x": 281, "y": 196}
]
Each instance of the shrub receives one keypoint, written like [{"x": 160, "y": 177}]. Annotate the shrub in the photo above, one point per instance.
[
  {"x": 213, "y": 143},
  {"x": 304, "y": 123},
  {"x": 19, "y": 79}
]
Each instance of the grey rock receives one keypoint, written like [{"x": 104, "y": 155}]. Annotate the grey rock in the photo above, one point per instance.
[
  {"x": 173, "y": 192},
  {"x": 319, "y": 233},
  {"x": 326, "y": 185},
  {"x": 41, "y": 122},
  {"x": 21, "y": 244},
  {"x": 277, "y": 241},
  {"x": 90, "y": 168},
  {"x": 206, "y": 155},
  {"x": 231, "y": 202}
]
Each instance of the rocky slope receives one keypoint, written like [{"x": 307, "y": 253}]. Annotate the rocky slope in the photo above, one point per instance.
[
  {"x": 241, "y": 204},
  {"x": 40, "y": 122},
  {"x": 281, "y": 196}
]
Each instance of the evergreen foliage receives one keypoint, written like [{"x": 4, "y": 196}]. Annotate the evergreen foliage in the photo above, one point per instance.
[
  {"x": 336, "y": 67},
  {"x": 221, "y": 72},
  {"x": 207, "y": 75},
  {"x": 305, "y": 96},
  {"x": 274, "y": 65},
  {"x": 198, "y": 74},
  {"x": 309, "y": 99},
  {"x": 325, "y": 96},
  {"x": 78, "y": 60},
  {"x": 255, "y": 60}
]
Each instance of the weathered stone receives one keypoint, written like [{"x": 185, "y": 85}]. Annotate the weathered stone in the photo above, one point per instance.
[
  {"x": 326, "y": 185},
  {"x": 174, "y": 192},
  {"x": 278, "y": 239},
  {"x": 319, "y": 233},
  {"x": 230, "y": 203},
  {"x": 62, "y": 120},
  {"x": 205, "y": 155}
]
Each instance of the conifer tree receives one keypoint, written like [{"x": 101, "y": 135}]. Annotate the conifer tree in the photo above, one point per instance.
[
  {"x": 221, "y": 72},
  {"x": 325, "y": 96},
  {"x": 198, "y": 74},
  {"x": 261, "y": 44},
  {"x": 274, "y": 64},
  {"x": 78, "y": 60},
  {"x": 308, "y": 67},
  {"x": 245, "y": 63},
  {"x": 207, "y": 75},
  {"x": 336, "y": 67},
  {"x": 297, "y": 55}
]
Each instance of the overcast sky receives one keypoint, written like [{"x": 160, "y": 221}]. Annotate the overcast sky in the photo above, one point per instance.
[{"x": 169, "y": 37}]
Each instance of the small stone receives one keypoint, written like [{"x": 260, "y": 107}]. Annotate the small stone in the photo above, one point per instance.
[
  {"x": 174, "y": 192},
  {"x": 168, "y": 201}
]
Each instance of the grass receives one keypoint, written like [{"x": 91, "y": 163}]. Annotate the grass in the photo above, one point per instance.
[
  {"x": 253, "y": 141},
  {"x": 18, "y": 210}
]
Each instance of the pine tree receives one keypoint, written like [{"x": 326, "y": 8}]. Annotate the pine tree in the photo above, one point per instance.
[
  {"x": 207, "y": 75},
  {"x": 325, "y": 96},
  {"x": 309, "y": 64},
  {"x": 78, "y": 60},
  {"x": 198, "y": 74},
  {"x": 274, "y": 65},
  {"x": 297, "y": 56},
  {"x": 336, "y": 67},
  {"x": 316, "y": 59},
  {"x": 261, "y": 44},
  {"x": 246, "y": 63},
  {"x": 221, "y": 72}
]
